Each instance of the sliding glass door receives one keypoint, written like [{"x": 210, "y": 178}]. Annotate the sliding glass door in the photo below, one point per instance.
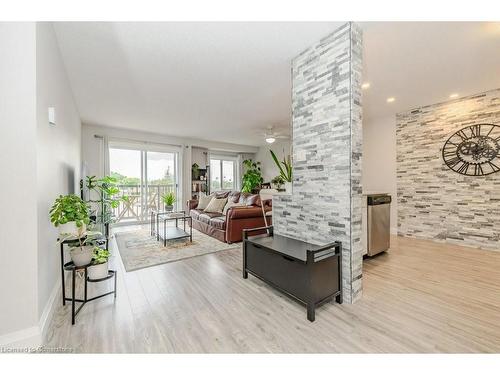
[
  {"x": 161, "y": 176},
  {"x": 144, "y": 176}
]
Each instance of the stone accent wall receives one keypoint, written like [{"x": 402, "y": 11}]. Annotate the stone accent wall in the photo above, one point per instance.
[
  {"x": 325, "y": 205},
  {"x": 435, "y": 202}
]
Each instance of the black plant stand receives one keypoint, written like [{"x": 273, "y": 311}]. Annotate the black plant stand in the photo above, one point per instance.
[{"x": 69, "y": 266}]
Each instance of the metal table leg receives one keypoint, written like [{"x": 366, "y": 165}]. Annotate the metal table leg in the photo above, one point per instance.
[
  {"x": 164, "y": 233},
  {"x": 62, "y": 275},
  {"x": 73, "y": 296}
]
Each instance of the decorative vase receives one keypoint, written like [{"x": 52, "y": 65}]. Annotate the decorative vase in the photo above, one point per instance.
[
  {"x": 70, "y": 229},
  {"x": 169, "y": 208},
  {"x": 81, "y": 255},
  {"x": 288, "y": 187},
  {"x": 98, "y": 271}
]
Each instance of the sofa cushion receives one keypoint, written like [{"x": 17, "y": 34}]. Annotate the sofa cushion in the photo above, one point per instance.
[
  {"x": 250, "y": 199},
  {"x": 221, "y": 194},
  {"x": 204, "y": 200},
  {"x": 233, "y": 196},
  {"x": 216, "y": 205},
  {"x": 206, "y": 216},
  {"x": 194, "y": 213},
  {"x": 218, "y": 222}
]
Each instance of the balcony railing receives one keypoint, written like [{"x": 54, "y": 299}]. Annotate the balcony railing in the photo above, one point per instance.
[{"x": 135, "y": 208}]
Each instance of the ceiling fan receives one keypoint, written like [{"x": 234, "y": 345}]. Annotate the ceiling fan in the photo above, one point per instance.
[{"x": 271, "y": 135}]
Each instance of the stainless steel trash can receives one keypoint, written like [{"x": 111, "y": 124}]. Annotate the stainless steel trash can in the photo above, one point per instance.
[{"x": 378, "y": 223}]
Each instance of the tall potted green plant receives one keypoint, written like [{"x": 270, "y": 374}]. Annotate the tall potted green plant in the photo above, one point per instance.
[
  {"x": 285, "y": 168},
  {"x": 252, "y": 178},
  {"x": 103, "y": 198}
]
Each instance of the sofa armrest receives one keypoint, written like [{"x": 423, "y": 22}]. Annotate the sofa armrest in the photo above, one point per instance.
[
  {"x": 190, "y": 204},
  {"x": 244, "y": 212}
]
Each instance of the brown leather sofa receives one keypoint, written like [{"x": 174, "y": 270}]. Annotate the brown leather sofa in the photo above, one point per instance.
[{"x": 229, "y": 228}]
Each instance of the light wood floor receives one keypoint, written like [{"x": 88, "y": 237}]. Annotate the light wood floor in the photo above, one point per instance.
[{"x": 419, "y": 297}]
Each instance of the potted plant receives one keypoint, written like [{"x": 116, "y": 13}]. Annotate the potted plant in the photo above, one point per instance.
[
  {"x": 169, "y": 200},
  {"x": 285, "y": 168},
  {"x": 252, "y": 179},
  {"x": 103, "y": 199},
  {"x": 278, "y": 182},
  {"x": 82, "y": 249},
  {"x": 99, "y": 267},
  {"x": 70, "y": 214}
]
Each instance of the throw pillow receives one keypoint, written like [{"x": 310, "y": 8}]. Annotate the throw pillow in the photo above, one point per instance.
[
  {"x": 216, "y": 205},
  {"x": 230, "y": 204},
  {"x": 203, "y": 201}
]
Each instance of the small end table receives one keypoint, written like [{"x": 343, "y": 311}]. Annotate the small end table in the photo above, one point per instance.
[{"x": 170, "y": 233}]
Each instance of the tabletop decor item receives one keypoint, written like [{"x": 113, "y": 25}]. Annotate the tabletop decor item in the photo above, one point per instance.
[
  {"x": 169, "y": 199},
  {"x": 474, "y": 150},
  {"x": 70, "y": 214},
  {"x": 285, "y": 168},
  {"x": 278, "y": 182}
]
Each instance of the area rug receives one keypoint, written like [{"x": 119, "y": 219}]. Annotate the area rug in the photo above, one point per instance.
[{"x": 138, "y": 249}]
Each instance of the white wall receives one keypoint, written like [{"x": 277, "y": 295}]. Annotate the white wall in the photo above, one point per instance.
[
  {"x": 269, "y": 168},
  {"x": 379, "y": 160},
  {"x": 58, "y": 156},
  {"x": 18, "y": 198}
]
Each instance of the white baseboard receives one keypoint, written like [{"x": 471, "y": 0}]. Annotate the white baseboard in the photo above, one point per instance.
[
  {"x": 50, "y": 306},
  {"x": 33, "y": 337},
  {"x": 24, "y": 338}
]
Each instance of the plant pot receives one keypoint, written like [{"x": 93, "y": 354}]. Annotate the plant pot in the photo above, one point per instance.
[
  {"x": 288, "y": 187},
  {"x": 70, "y": 229},
  {"x": 169, "y": 208},
  {"x": 81, "y": 256},
  {"x": 98, "y": 271}
]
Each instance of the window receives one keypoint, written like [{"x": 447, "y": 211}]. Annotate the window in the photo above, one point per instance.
[{"x": 222, "y": 173}]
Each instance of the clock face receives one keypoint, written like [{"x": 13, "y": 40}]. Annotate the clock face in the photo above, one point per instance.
[{"x": 474, "y": 150}]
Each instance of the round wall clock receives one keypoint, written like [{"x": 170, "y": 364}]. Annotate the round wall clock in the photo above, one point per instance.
[{"x": 474, "y": 150}]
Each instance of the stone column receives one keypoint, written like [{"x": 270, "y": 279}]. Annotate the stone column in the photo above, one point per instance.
[{"x": 325, "y": 204}]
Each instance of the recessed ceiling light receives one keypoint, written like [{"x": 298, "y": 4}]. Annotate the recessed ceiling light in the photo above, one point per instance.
[
  {"x": 453, "y": 96},
  {"x": 365, "y": 85},
  {"x": 391, "y": 99}
]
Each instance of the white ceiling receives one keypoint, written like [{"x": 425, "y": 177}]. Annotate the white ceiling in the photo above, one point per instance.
[
  {"x": 230, "y": 81},
  {"x": 421, "y": 63}
]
